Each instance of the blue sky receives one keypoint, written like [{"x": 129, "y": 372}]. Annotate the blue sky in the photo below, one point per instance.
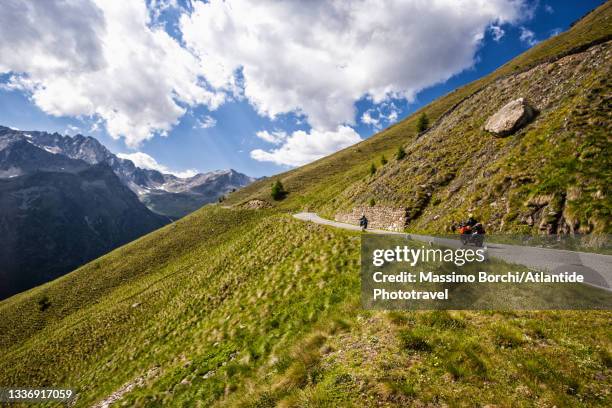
[{"x": 277, "y": 81}]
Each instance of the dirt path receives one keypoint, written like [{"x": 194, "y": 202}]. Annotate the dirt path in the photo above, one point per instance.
[{"x": 126, "y": 388}]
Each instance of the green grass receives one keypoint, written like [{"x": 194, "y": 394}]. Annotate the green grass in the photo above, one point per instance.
[
  {"x": 226, "y": 292},
  {"x": 426, "y": 358},
  {"x": 265, "y": 312},
  {"x": 233, "y": 307}
]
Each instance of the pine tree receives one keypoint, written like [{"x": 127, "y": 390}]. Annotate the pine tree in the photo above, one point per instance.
[
  {"x": 422, "y": 123},
  {"x": 401, "y": 153},
  {"x": 372, "y": 169},
  {"x": 278, "y": 191}
]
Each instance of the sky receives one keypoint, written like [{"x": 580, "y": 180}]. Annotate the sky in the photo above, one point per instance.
[{"x": 255, "y": 85}]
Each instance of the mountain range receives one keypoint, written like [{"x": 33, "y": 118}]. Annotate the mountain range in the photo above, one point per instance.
[
  {"x": 163, "y": 193},
  {"x": 66, "y": 200}
]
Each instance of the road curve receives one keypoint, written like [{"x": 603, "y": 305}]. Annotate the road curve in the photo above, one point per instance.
[{"x": 596, "y": 268}]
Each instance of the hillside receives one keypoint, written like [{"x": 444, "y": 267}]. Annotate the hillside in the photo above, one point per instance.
[
  {"x": 242, "y": 307},
  {"x": 552, "y": 175},
  {"x": 572, "y": 93}
]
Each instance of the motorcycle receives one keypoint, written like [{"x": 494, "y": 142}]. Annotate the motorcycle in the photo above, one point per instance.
[{"x": 472, "y": 235}]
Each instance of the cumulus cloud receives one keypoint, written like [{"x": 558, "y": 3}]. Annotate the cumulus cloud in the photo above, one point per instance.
[
  {"x": 318, "y": 57},
  {"x": 114, "y": 60},
  {"x": 303, "y": 147},
  {"x": 145, "y": 161},
  {"x": 274, "y": 137},
  {"x": 101, "y": 59},
  {"x": 46, "y": 37}
]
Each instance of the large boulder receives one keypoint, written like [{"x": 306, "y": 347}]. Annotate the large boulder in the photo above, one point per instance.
[{"x": 513, "y": 116}]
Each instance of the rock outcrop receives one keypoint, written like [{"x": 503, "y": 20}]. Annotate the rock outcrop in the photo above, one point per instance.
[
  {"x": 393, "y": 219},
  {"x": 510, "y": 118},
  {"x": 256, "y": 204}
]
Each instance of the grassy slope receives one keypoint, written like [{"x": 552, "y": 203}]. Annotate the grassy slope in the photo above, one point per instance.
[
  {"x": 227, "y": 285},
  {"x": 554, "y": 171},
  {"x": 254, "y": 308}
]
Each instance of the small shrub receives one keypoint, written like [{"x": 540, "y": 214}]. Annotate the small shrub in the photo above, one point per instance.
[
  {"x": 44, "y": 303},
  {"x": 401, "y": 153},
  {"x": 372, "y": 202},
  {"x": 422, "y": 123},
  {"x": 606, "y": 358},
  {"x": 265, "y": 400},
  {"x": 278, "y": 191},
  {"x": 383, "y": 160},
  {"x": 372, "y": 169}
]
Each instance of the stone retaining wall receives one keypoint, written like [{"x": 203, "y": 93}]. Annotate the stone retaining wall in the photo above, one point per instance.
[{"x": 388, "y": 218}]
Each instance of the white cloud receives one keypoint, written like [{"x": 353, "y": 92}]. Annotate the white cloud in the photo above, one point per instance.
[
  {"x": 144, "y": 161},
  {"x": 101, "y": 59},
  {"x": 319, "y": 57},
  {"x": 368, "y": 119},
  {"x": 47, "y": 37},
  {"x": 206, "y": 122},
  {"x": 548, "y": 8},
  {"x": 275, "y": 137},
  {"x": 497, "y": 32},
  {"x": 528, "y": 37},
  {"x": 303, "y": 147},
  {"x": 381, "y": 115},
  {"x": 73, "y": 130},
  {"x": 114, "y": 61}
]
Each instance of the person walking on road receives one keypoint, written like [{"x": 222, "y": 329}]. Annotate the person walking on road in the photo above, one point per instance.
[{"x": 363, "y": 222}]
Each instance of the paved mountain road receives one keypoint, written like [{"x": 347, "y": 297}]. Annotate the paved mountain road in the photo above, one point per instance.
[{"x": 596, "y": 268}]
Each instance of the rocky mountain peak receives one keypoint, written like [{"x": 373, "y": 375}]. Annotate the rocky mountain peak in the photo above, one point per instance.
[{"x": 164, "y": 193}]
